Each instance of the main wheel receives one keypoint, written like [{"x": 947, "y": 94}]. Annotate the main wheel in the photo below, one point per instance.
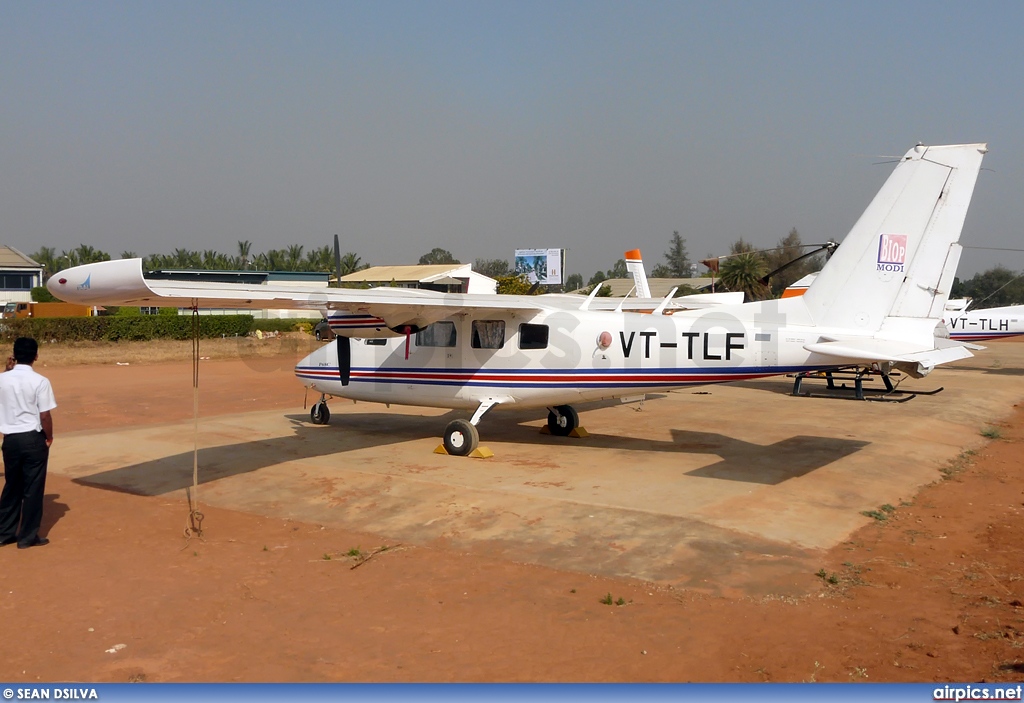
[
  {"x": 319, "y": 336},
  {"x": 564, "y": 421},
  {"x": 460, "y": 437},
  {"x": 319, "y": 414}
]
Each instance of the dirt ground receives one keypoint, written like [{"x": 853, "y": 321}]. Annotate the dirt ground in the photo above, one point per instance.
[{"x": 932, "y": 592}]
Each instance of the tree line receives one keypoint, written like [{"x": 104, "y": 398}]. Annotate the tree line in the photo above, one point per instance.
[
  {"x": 742, "y": 269},
  {"x": 291, "y": 258},
  {"x": 996, "y": 287},
  {"x": 738, "y": 272}
]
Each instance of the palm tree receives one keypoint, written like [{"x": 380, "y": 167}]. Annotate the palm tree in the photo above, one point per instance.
[
  {"x": 47, "y": 258},
  {"x": 213, "y": 260},
  {"x": 92, "y": 255},
  {"x": 244, "y": 247},
  {"x": 319, "y": 259},
  {"x": 186, "y": 259},
  {"x": 277, "y": 260},
  {"x": 743, "y": 272},
  {"x": 294, "y": 256},
  {"x": 350, "y": 263},
  {"x": 69, "y": 258}
]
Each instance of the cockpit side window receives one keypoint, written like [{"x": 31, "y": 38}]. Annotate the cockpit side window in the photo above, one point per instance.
[{"x": 533, "y": 336}]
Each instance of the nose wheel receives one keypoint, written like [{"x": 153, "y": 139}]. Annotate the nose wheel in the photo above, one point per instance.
[{"x": 320, "y": 414}]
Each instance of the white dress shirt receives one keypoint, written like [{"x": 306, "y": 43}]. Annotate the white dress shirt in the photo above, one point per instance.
[{"x": 24, "y": 394}]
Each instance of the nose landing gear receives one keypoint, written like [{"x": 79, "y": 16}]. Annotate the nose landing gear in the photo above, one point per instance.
[{"x": 320, "y": 414}]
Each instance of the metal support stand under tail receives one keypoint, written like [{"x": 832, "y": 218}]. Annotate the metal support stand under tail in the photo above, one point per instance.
[{"x": 836, "y": 385}]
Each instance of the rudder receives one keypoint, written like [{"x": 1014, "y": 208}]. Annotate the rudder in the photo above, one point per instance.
[{"x": 900, "y": 257}]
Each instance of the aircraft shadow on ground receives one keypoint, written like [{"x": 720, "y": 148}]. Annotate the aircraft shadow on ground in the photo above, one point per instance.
[
  {"x": 741, "y": 461},
  {"x": 350, "y": 432},
  {"x": 780, "y": 386}
]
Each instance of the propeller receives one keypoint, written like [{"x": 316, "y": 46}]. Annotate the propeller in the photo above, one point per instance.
[{"x": 337, "y": 260}]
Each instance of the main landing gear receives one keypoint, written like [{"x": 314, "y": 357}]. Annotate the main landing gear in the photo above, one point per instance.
[
  {"x": 461, "y": 437},
  {"x": 562, "y": 420}
]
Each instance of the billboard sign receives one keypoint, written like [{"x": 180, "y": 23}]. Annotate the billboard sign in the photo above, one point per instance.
[{"x": 542, "y": 266}]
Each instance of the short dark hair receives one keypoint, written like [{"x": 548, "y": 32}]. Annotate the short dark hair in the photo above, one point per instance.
[{"x": 25, "y": 350}]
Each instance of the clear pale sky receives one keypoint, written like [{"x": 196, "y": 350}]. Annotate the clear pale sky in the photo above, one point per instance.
[{"x": 481, "y": 127}]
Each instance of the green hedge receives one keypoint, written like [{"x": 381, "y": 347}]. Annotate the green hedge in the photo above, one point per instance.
[
  {"x": 285, "y": 325},
  {"x": 115, "y": 328}
]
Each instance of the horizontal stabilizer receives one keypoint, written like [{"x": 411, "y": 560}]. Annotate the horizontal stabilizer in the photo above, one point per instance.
[
  {"x": 887, "y": 350},
  {"x": 946, "y": 342}
]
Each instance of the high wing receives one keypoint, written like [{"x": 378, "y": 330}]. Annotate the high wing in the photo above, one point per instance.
[{"x": 123, "y": 282}]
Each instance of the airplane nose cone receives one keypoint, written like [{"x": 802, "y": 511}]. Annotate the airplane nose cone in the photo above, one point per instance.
[
  {"x": 58, "y": 284},
  {"x": 117, "y": 282}
]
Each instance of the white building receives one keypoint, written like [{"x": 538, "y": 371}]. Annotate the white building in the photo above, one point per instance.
[
  {"x": 447, "y": 278},
  {"x": 18, "y": 276}
]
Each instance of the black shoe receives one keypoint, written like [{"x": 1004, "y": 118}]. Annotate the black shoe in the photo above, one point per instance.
[
  {"x": 40, "y": 542},
  {"x": 9, "y": 540}
]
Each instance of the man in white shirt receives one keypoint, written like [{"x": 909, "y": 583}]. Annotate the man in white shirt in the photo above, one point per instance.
[{"x": 26, "y": 400}]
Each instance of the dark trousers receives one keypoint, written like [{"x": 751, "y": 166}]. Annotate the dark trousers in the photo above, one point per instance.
[{"x": 21, "y": 503}]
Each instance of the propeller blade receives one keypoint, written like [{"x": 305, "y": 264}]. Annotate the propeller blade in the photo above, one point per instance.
[{"x": 337, "y": 259}]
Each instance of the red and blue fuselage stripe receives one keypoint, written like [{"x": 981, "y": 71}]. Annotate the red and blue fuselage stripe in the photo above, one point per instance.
[
  {"x": 982, "y": 336},
  {"x": 354, "y": 322},
  {"x": 539, "y": 378}
]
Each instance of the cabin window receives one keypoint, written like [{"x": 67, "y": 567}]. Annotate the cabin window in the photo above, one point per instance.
[
  {"x": 377, "y": 341},
  {"x": 533, "y": 336},
  {"x": 439, "y": 334},
  {"x": 488, "y": 334}
]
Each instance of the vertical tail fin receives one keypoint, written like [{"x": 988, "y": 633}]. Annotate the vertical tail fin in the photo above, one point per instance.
[
  {"x": 900, "y": 257},
  {"x": 635, "y": 265}
]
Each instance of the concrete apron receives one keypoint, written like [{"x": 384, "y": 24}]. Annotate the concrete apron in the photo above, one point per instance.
[{"x": 730, "y": 489}]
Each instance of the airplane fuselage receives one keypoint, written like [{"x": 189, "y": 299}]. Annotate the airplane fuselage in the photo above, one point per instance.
[
  {"x": 986, "y": 324},
  {"x": 558, "y": 357}
]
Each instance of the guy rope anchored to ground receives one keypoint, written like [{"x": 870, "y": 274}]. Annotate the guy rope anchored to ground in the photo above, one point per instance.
[{"x": 194, "y": 525}]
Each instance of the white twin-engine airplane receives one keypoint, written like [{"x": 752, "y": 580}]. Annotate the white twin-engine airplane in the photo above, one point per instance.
[{"x": 876, "y": 302}]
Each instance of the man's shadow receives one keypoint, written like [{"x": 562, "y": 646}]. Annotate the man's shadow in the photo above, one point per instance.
[{"x": 53, "y": 511}]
